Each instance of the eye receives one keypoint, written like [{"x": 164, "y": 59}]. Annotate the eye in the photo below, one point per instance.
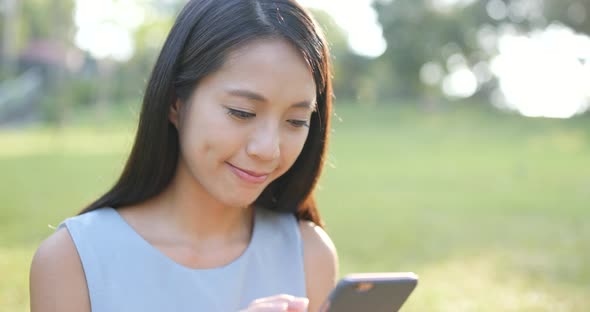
[
  {"x": 240, "y": 114},
  {"x": 298, "y": 123}
]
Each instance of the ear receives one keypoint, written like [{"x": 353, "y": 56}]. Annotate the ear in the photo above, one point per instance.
[{"x": 174, "y": 113}]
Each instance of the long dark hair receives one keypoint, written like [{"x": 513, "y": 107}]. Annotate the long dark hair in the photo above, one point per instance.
[{"x": 204, "y": 33}]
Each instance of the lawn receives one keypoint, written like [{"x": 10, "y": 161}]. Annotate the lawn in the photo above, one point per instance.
[{"x": 490, "y": 210}]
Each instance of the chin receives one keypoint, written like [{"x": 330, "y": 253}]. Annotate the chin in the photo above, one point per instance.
[
  {"x": 243, "y": 197},
  {"x": 239, "y": 201}
]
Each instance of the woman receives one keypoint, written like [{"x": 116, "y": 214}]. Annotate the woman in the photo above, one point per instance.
[{"x": 214, "y": 210}]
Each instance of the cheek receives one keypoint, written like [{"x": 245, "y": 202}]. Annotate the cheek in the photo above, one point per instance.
[
  {"x": 292, "y": 148},
  {"x": 200, "y": 139}
]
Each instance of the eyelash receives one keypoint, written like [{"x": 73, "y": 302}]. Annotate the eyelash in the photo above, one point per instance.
[
  {"x": 242, "y": 115},
  {"x": 298, "y": 123}
]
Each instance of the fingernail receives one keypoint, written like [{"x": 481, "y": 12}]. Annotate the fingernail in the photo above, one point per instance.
[{"x": 299, "y": 303}]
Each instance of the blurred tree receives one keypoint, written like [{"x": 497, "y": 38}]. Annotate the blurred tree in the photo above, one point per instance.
[
  {"x": 41, "y": 19},
  {"x": 448, "y": 35},
  {"x": 10, "y": 14},
  {"x": 42, "y": 34},
  {"x": 24, "y": 22},
  {"x": 573, "y": 13},
  {"x": 61, "y": 27},
  {"x": 121, "y": 81},
  {"x": 148, "y": 39},
  {"x": 349, "y": 69},
  {"x": 417, "y": 32}
]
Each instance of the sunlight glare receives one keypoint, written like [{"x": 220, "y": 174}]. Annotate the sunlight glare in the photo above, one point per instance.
[
  {"x": 359, "y": 20},
  {"x": 545, "y": 74},
  {"x": 105, "y": 27}
]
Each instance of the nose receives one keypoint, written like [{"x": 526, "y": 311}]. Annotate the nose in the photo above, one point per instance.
[{"x": 264, "y": 144}]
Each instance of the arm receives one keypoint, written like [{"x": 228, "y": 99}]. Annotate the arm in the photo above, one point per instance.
[
  {"x": 320, "y": 262},
  {"x": 57, "y": 281}
]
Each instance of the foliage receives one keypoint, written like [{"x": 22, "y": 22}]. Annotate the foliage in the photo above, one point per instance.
[
  {"x": 421, "y": 31},
  {"x": 45, "y": 19},
  {"x": 349, "y": 69}
]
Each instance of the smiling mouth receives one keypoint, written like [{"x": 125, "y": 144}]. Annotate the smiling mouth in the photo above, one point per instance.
[{"x": 247, "y": 175}]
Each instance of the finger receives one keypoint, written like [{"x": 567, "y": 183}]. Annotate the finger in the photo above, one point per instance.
[
  {"x": 298, "y": 305},
  {"x": 278, "y": 298},
  {"x": 325, "y": 307},
  {"x": 294, "y": 304},
  {"x": 269, "y": 307}
]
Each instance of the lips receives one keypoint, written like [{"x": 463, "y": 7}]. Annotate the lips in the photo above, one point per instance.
[{"x": 248, "y": 175}]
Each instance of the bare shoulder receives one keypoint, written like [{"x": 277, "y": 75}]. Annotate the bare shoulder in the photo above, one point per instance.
[
  {"x": 317, "y": 242},
  {"x": 57, "y": 281},
  {"x": 320, "y": 261}
]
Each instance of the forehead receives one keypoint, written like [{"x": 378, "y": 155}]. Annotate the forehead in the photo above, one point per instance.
[{"x": 273, "y": 67}]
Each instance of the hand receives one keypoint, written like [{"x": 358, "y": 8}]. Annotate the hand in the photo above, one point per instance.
[{"x": 283, "y": 303}]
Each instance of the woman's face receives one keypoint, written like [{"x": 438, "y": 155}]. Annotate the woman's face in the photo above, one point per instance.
[{"x": 247, "y": 123}]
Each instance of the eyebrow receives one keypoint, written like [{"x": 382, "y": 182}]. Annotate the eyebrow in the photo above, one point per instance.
[{"x": 259, "y": 98}]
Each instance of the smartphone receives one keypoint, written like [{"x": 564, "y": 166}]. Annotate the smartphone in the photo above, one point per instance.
[{"x": 374, "y": 292}]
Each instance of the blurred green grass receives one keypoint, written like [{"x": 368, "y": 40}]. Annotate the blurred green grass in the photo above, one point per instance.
[{"x": 491, "y": 210}]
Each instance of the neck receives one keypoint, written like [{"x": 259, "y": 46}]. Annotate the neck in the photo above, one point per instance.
[{"x": 192, "y": 213}]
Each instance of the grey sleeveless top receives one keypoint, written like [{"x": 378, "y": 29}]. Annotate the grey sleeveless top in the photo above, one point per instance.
[{"x": 125, "y": 273}]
